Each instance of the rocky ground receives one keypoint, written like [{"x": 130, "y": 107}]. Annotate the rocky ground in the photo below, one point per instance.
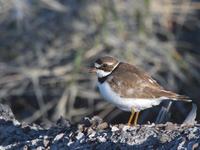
[{"x": 93, "y": 133}]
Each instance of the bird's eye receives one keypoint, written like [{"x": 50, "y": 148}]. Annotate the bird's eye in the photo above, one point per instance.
[{"x": 104, "y": 65}]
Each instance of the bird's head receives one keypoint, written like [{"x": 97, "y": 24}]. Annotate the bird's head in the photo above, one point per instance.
[{"x": 103, "y": 66}]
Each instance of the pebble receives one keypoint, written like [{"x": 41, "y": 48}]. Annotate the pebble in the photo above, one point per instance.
[
  {"x": 114, "y": 129},
  {"x": 101, "y": 139},
  {"x": 195, "y": 146},
  {"x": 92, "y": 134},
  {"x": 46, "y": 142},
  {"x": 95, "y": 121},
  {"x": 34, "y": 141},
  {"x": 102, "y": 126},
  {"x": 90, "y": 130},
  {"x": 40, "y": 148},
  {"x": 25, "y": 147},
  {"x": 80, "y": 127},
  {"x": 79, "y": 136},
  {"x": 125, "y": 128},
  {"x": 58, "y": 137}
]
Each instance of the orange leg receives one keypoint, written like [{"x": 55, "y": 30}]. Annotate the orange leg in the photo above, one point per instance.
[
  {"x": 131, "y": 117},
  {"x": 136, "y": 118}
]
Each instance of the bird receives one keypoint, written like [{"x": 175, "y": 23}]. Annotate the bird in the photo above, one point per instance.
[{"x": 128, "y": 87}]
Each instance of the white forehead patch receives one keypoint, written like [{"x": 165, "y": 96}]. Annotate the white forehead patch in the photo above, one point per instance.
[
  {"x": 97, "y": 65},
  {"x": 109, "y": 63}
]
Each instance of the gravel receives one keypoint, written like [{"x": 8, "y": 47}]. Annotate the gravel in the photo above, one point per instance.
[{"x": 94, "y": 133}]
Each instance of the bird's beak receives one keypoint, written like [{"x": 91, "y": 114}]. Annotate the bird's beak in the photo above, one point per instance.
[{"x": 92, "y": 70}]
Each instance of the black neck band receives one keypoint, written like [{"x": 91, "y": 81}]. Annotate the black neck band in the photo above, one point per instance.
[{"x": 102, "y": 79}]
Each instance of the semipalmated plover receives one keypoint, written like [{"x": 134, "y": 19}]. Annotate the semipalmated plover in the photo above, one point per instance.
[{"x": 130, "y": 88}]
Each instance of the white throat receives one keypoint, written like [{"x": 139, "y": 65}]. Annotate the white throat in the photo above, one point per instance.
[{"x": 101, "y": 73}]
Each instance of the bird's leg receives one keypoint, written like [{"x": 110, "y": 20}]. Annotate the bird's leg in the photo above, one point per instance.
[
  {"x": 131, "y": 116},
  {"x": 136, "y": 118}
]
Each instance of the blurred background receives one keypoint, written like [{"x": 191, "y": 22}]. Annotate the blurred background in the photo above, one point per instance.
[{"x": 47, "y": 45}]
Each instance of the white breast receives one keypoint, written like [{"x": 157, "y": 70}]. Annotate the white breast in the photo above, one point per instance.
[{"x": 126, "y": 104}]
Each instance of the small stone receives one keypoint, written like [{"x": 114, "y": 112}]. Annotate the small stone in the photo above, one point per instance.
[
  {"x": 80, "y": 127},
  {"x": 114, "y": 129},
  {"x": 102, "y": 126},
  {"x": 164, "y": 138},
  {"x": 25, "y": 147},
  {"x": 90, "y": 130},
  {"x": 79, "y": 136},
  {"x": 96, "y": 120},
  {"x": 46, "y": 142},
  {"x": 101, "y": 139},
  {"x": 47, "y": 148},
  {"x": 195, "y": 146},
  {"x": 58, "y": 137},
  {"x": 70, "y": 142},
  {"x": 121, "y": 126},
  {"x": 150, "y": 125},
  {"x": 170, "y": 126},
  {"x": 92, "y": 135},
  {"x": 34, "y": 142},
  {"x": 148, "y": 122},
  {"x": 125, "y": 128},
  {"x": 40, "y": 148}
]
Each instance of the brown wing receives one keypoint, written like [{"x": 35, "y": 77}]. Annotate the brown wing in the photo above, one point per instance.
[
  {"x": 167, "y": 94},
  {"x": 137, "y": 84}
]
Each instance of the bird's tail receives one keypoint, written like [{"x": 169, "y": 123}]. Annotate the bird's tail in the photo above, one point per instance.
[
  {"x": 181, "y": 98},
  {"x": 174, "y": 96}
]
